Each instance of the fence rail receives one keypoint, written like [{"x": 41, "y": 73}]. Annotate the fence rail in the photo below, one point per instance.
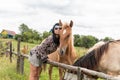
[
  {"x": 91, "y": 72},
  {"x": 20, "y": 65}
]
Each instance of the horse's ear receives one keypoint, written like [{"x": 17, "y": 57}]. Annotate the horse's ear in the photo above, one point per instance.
[
  {"x": 71, "y": 23},
  {"x": 60, "y": 23}
]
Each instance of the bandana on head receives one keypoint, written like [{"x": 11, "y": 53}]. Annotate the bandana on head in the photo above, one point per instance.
[{"x": 55, "y": 26}]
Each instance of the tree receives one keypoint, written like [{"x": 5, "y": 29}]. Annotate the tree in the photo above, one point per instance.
[
  {"x": 27, "y": 35},
  {"x": 45, "y": 34},
  {"x": 88, "y": 41},
  {"x": 23, "y": 28},
  {"x": 107, "y": 39},
  {"x": 84, "y": 41},
  {"x": 17, "y": 36},
  {"x": 77, "y": 40},
  {"x": 36, "y": 35}
]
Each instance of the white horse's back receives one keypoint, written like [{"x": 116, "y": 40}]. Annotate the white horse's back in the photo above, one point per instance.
[
  {"x": 110, "y": 61},
  {"x": 98, "y": 44}
]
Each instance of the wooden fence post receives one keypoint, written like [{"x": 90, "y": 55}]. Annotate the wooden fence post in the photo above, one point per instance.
[
  {"x": 21, "y": 64},
  {"x": 20, "y": 59},
  {"x": 11, "y": 52},
  {"x": 18, "y": 56},
  {"x": 79, "y": 74}
]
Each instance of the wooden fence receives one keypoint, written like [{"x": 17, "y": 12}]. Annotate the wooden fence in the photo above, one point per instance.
[{"x": 20, "y": 65}]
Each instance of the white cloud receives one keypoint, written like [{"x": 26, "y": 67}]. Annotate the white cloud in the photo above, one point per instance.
[
  {"x": 95, "y": 17},
  {"x": 10, "y": 5}
]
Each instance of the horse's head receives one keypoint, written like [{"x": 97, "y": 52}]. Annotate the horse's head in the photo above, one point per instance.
[{"x": 65, "y": 36}]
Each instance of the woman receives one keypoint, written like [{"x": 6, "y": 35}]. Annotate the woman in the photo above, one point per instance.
[{"x": 38, "y": 54}]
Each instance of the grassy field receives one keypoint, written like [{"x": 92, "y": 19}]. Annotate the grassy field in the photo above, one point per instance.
[{"x": 8, "y": 70}]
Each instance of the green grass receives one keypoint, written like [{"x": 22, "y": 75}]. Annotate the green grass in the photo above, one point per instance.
[{"x": 8, "y": 70}]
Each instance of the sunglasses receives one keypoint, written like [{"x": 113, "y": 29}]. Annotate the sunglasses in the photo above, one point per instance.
[{"x": 58, "y": 28}]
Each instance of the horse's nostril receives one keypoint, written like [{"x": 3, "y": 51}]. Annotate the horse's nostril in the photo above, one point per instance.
[{"x": 61, "y": 52}]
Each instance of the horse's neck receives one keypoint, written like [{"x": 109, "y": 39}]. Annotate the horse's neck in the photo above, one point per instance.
[
  {"x": 69, "y": 48},
  {"x": 71, "y": 51}
]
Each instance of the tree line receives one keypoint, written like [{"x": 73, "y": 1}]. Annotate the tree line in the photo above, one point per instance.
[
  {"x": 33, "y": 36},
  {"x": 30, "y": 35}
]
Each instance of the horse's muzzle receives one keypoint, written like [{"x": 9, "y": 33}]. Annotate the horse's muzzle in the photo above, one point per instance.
[{"x": 62, "y": 51}]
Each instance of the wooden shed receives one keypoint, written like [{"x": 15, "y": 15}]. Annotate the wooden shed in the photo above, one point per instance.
[{"x": 8, "y": 33}]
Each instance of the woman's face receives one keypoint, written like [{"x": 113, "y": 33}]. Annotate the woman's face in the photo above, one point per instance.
[{"x": 57, "y": 29}]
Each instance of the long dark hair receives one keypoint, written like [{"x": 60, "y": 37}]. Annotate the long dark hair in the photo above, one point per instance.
[{"x": 55, "y": 39}]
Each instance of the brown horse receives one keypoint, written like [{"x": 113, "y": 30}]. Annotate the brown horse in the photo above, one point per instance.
[
  {"x": 66, "y": 49},
  {"x": 25, "y": 49},
  {"x": 105, "y": 58},
  {"x": 65, "y": 52}
]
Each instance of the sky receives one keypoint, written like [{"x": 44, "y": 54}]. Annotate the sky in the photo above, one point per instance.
[{"x": 99, "y": 18}]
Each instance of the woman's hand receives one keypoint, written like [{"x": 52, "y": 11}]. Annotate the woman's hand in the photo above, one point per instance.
[{"x": 44, "y": 58}]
